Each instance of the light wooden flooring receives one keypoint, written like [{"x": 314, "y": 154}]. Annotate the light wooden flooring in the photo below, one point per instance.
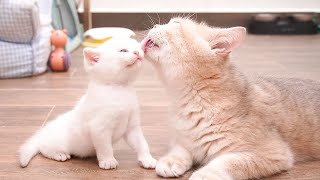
[{"x": 27, "y": 104}]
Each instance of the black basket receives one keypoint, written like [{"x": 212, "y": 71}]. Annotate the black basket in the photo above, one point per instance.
[{"x": 287, "y": 25}]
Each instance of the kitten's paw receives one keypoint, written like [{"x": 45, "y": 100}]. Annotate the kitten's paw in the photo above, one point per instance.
[
  {"x": 61, "y": 157},
  {"x": 148, "y": 162},
  {"x": 108, "y": 164},
  {"x": 171, "y": 167},
  {"x": 210, "y": 174}
]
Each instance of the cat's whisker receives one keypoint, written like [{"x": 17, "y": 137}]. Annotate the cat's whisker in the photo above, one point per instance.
[
  {"x": 159, "y": 22},
  {"x": 191, "y": 15},
  {"x": 176, "y": 15},
  {"x": 147, "y": 26},
  {"x": 156, "y": 19},
  {"x": 186, "y": 16},
  {"x": 151, "y": 20},
  {"x": 172, "y": 15},
  {"x": 141, "y": 34}
]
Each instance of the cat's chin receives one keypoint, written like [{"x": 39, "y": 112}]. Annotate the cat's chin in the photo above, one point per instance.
[{"x": 150, "y": 57}]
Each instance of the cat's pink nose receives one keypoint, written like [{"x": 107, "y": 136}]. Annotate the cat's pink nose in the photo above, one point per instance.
[{"x": 136, "y": 53}]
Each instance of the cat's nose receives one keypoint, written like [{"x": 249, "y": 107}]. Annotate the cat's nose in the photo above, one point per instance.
[{"x": 136, "y": 53}]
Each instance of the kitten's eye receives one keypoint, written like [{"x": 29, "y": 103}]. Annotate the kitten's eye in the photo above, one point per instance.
[
  {"x": 124, "y": 50},
  {"x": 176, "y": 22}
]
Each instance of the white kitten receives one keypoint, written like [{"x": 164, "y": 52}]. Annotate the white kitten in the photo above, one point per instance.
[{"x": 108, "y": 111}]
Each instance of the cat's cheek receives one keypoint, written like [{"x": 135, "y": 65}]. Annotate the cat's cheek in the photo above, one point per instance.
[{"x": 151, "y": 57}]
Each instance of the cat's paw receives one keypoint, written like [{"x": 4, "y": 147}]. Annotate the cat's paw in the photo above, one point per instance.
[
  {"x": 171, "y": 167},
  {"x": 108, "y": 164},
  {"x": 207, "y": 173},
  {"x": 61, "y": 157},
  {"x": 148, "y": 162}
]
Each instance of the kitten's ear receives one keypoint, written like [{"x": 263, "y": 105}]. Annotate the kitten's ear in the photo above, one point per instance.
[
  {"x": 91, "y": 56},
  {"x": 227, "y": 39}
]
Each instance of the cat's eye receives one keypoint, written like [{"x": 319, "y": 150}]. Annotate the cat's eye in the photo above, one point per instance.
[
  {"x": 124, "y": 50},
  {"x": 174, "y": 21}
]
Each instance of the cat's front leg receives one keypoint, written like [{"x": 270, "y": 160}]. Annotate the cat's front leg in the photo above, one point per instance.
[
  {"x": 136, "y": 140},
  {"x": 102, "y": 142},
  {"x": 175, "y": 163},
  {"x": 245, "y": 165}
]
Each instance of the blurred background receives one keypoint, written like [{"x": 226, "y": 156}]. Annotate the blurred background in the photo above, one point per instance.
[{"x": 132, "y": 14}]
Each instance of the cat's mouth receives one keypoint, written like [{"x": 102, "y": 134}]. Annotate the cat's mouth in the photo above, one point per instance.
[
  {"x": 148, "y": 44},
  {"x": 135, "y": 62}
]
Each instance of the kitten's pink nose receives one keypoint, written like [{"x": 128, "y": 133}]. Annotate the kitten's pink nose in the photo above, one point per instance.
[{"x": 136, "y": 53}]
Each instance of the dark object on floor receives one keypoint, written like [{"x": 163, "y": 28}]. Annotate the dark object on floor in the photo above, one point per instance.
[{"x": 275, "y": 24}]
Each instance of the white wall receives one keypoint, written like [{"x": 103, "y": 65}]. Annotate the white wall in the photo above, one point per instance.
[{"x": 203, "y": 6}]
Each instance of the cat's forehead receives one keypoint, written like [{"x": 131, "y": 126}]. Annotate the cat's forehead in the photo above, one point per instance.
[{"x": 182, "y": 20}]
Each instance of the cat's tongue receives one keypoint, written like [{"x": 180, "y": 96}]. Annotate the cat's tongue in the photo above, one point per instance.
[
  {"x": 144, "y": 43},
  {"x": 148, "y": 43}
]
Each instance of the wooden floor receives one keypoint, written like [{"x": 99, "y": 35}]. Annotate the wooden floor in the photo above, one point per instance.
[{"x": 27, "y": 104}]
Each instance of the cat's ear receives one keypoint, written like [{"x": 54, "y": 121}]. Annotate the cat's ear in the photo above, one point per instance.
[
  {"x": 225, "y": 40},
  {"x": 91, "y": 56}
]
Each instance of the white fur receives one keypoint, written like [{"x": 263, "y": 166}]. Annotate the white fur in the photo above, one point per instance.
[{"x": 107, "y": 112}]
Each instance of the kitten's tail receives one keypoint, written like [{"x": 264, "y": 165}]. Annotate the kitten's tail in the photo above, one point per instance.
[{"x": 28, "y": 150}]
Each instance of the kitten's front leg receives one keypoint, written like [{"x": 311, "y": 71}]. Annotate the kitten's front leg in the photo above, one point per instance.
[
  {"x": 136, "y": 140},
  {"x": 175, "y": 163},
  {"x": 102, "y": 142}
]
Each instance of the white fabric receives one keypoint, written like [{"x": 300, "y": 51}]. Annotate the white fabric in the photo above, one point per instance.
[
  {"x": 104, "y": 32},
  {"x": 45, "y": 9},
  {"x": 19, "y": 20},
  {"x": 24, "y": 43}
]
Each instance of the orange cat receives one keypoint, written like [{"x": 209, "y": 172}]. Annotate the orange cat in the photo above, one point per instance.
[{"x": 236, "y": 127}]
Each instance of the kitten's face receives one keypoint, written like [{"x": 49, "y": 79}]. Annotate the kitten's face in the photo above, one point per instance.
[
  {"x": 116, "y": 61},
  {"x": 186, "y": 49}
]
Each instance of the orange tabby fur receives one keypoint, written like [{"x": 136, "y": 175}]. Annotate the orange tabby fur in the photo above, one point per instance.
[{"x": 236, "y": 127}]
